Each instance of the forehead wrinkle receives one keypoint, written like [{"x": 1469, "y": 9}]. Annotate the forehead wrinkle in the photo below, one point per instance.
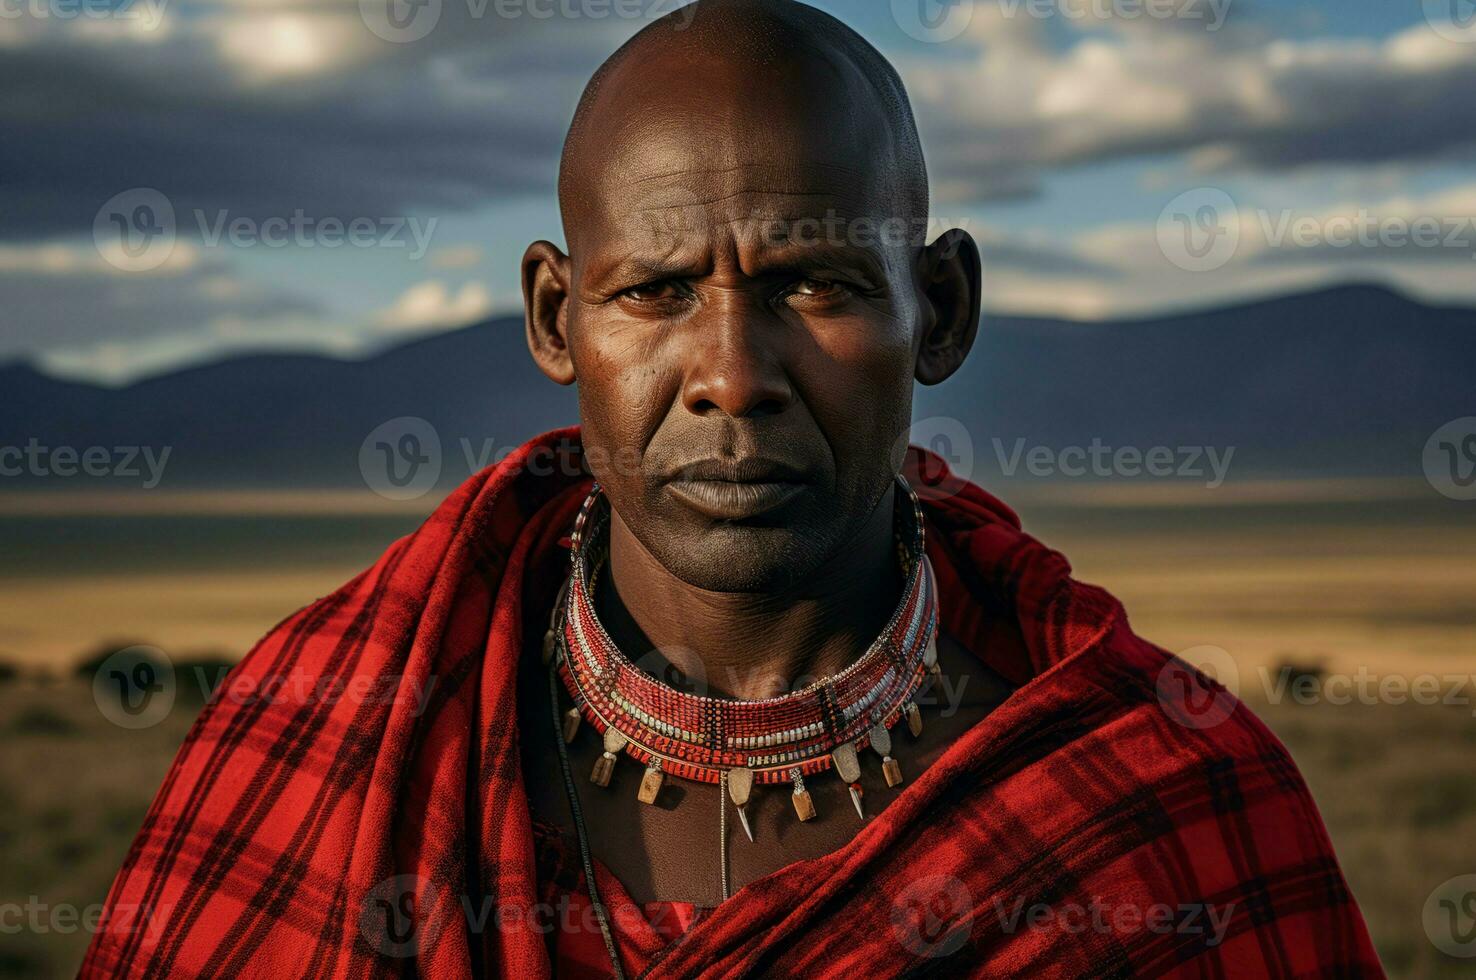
[
  {"x": 744, "y": 71},
  {"x": 838, "y": 168}
]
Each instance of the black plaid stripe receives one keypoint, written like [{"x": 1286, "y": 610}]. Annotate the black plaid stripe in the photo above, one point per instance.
[
  {"x": 236, "y": 731},
  {"x": 270, "y": 778}
]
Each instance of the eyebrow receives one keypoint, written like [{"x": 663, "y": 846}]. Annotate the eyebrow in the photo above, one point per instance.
[
  {"x": 855, "y": 259},
  {"x": 634, "y": 269}
]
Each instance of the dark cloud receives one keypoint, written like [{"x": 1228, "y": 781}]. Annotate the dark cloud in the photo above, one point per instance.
[{"x": 215, "y": 118}]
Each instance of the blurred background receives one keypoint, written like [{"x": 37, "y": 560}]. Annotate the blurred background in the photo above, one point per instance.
[{"x": 259, "y": 269}]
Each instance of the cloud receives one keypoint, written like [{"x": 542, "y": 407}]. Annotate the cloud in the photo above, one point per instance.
[
  {"x": 1423, "y": 244},
  {"x": 1231, "y": 100},
  {"x": 60, "y": 295},
  {"x": 430, "y": 305},
  {"x": 263, "y": 109}
]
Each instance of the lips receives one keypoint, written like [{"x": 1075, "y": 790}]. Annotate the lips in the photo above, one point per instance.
[{"x": 735, "y": 488}]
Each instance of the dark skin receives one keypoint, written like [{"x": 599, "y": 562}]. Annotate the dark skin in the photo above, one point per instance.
[{"x": 745, "y": 386}]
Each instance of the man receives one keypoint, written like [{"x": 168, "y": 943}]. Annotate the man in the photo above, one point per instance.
[{"x": 776, "y": 716}]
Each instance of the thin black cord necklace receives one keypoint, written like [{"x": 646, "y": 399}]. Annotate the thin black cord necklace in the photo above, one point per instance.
[{"x": 577, "y": 812}]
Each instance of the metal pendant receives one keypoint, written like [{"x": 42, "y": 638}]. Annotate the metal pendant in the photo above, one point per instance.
[
  {"x": 848, "y": 767},
  {"x": 914, "y": 719},
  {"x": 651, "y": 782},
  {"x": 572, "y": 719},
  {"x": 804, "y": 807},
  {"x": 740, "y": 785},
  {"x": 604, "y": 766},
  {"x": 881, "y": 741}
]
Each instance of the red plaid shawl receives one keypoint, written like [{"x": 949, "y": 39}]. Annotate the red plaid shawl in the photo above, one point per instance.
[{"x": 351, "y": 803}]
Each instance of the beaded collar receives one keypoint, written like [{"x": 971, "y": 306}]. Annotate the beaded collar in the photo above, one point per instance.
[{"x": 735, "y": 742}]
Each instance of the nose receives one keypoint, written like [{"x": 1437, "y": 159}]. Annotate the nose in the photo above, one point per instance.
[{"x": 734, "y": 368}]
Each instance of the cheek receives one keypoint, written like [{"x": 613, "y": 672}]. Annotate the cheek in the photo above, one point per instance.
[
  {"x": 624, "y": 393},
  {"x": 860, "y": 390}
]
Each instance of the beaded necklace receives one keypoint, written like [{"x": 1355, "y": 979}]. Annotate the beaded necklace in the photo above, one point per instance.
[{"x": 738, "y": 744}]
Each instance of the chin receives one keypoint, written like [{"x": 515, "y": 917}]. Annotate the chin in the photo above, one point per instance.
[{"x": 743, "y": 558}]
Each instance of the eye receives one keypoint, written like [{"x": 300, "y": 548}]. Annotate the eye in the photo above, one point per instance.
[
  {"x": 817, "y": 287},
  {"x": 654, "y": 292}
]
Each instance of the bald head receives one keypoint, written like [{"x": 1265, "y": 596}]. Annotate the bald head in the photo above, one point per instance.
[
  {"x": 748, "y": 293},
  {"x": 744, "y": 83}
]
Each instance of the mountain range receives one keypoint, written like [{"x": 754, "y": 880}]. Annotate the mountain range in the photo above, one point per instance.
[{"x": 1348, "y": 381}]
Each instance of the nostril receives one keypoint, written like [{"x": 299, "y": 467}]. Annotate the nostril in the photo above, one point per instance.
[
  {"x": 766, "y": 407},
  {"x": 704, "y": 406}
]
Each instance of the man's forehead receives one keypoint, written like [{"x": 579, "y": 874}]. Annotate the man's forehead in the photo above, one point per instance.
[{"x": 662, "y": 192}]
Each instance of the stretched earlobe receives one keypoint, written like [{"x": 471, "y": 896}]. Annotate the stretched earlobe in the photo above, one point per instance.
[
  {"x": 951, "y": 281},
  {"x": 546, "y": 310}
]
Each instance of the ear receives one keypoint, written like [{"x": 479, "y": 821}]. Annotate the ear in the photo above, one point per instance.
[
  {"x": 950, "y": 277},
  {"x": 546, "y": 310}
]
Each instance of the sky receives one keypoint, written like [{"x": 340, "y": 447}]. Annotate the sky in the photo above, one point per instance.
[{"x": 182, "y": 180}]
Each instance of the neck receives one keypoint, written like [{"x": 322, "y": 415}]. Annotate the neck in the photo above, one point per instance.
[{"x": 754, "y": 645}]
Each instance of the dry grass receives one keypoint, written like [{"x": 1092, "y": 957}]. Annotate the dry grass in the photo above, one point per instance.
[
  {"x": 1385, "y": 587},
  {"x": 1394, "y": 784}
]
